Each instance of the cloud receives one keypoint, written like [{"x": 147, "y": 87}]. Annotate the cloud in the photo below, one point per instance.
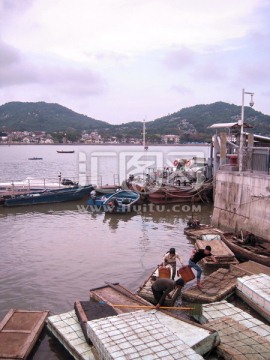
[
  {"x": 9, "y": 54},
  {"x": 182, "y": 90},
  {"x": 83, "y": 81},
  {"x": 179, "y": 58},
  {"x": 209, "y": 71}
]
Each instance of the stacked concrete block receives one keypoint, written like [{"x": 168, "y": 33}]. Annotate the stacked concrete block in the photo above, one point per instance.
[
  {"x": 66, "y": 328},
  {"x": 256, "y": 288},
  {"x": 137, "y": 335}
]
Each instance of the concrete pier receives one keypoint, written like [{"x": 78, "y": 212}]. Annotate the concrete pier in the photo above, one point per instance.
[{"x": 242, "y": 201}]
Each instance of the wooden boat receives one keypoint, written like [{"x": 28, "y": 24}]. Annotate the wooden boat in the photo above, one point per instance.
[
  {"x": 201, "y": 232},
  {"x": 50, "y": 196},
  {"x": 19, "y": 331},
  {"x": 259, "y": 252},
  {"x": 121, "y": 201},
  {"x": 145, "y": 291},
  {"x": 35, "y": 158},
  {"x": 65, "y": 151},
  {"x": 116, "y": 294}
]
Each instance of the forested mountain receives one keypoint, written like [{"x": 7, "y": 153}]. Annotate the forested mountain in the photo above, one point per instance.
[
  {"x": 190, "y": 123},
  {"x": 41, "y": 116}
]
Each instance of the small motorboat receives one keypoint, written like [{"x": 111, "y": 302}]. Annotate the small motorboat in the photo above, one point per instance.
[
  {"x": 35, "y": 158},
  {"x": 50, "y": 196},
  {"x": 121, "y": 201},
  {"x": 97, "y": 201}
]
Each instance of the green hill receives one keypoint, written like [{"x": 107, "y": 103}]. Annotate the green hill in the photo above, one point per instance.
[
  {"x": 41, "y": 116},
  {"x": 190, "y": 123}
]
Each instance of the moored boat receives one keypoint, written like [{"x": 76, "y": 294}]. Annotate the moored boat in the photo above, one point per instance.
[
  {"x": 50, "y": 196},
  {"x": 121, "y": 201},
  {"x": 185, "y": 181},
  {"x": 249, "y": 248},
  {"x": 65, "y": 151}
]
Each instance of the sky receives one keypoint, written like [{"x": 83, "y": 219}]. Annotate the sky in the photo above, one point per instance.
[{"x": 130, "y": 60}]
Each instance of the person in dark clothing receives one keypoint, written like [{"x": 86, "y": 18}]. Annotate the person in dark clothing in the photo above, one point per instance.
[
  {"x": 198, "y": 256},
  {"x": 162, "y": 287}
]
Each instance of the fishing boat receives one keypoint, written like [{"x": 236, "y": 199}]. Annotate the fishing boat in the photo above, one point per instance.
[
  {"x": 185, "y": 181},
  {"x": 65, "y": 151},
  {"x": 11, "y": 188},
  {"x": 249, "y": 247},
  {"x": 121, "y": 201},
  {"x": 50, "y": 196}
]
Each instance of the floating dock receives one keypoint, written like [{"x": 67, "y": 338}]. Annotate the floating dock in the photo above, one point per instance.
[
  {"x": 224, "y": 256},
  {"x": 19, "y": 331},
  {"x": 255, "y": 291},
  {"x": 217, "y": 286},
  {"x": 147, "y": 335}
]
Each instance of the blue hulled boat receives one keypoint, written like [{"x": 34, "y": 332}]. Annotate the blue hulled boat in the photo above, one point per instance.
[
  {"x": 122, "y": 201},
  {"x": 50, "y": 196}
]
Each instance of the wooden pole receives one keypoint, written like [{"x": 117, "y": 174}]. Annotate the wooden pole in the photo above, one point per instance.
[{"x": 153, "y": 307}]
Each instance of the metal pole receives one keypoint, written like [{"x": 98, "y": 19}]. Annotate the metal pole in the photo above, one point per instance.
[{"x": 241, "y": 133}]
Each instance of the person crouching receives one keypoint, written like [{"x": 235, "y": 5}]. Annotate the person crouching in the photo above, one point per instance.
[{"x": 162, "y": 288}]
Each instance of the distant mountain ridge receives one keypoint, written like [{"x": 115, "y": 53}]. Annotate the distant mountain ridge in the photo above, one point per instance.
[{"x": 190, "y": 123}]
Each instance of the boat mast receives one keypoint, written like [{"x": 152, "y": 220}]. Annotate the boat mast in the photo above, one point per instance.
[{"x": 144, "y": 145}]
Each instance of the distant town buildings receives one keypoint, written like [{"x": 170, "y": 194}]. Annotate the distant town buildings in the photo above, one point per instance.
[{"x": 41, "y": 137}]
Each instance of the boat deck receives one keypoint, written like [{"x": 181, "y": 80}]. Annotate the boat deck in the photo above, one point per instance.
[
  {"x": 145, "y": 291},
  {"x": 19, "y": 331},
  {"x": 225, "y": 257},
  {"x": 116, "y": 294}
]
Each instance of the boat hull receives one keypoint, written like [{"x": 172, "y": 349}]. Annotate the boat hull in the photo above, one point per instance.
[
  {"x": 50, "y": 197},
  {"x": 243, "y": 253}
]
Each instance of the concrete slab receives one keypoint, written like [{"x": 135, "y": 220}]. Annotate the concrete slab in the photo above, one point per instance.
[
  {"x": 238, "y": 342},
  {"x": 137, "y": 335},
  {"x": 255, "y": 290},
  {"x": 66, "y": 328}
]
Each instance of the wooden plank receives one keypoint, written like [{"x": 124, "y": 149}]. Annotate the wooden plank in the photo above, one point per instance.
[
  {"x": 219, "y": 249},
  {"x": 19, "y": 331},
  {"x": 252, "y": 267}
]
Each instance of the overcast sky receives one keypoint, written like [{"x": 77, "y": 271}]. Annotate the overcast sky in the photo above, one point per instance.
[{"x": 129, "y": 60}]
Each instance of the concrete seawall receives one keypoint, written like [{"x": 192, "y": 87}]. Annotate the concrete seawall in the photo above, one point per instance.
[{"x": 242, "y": 202}]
